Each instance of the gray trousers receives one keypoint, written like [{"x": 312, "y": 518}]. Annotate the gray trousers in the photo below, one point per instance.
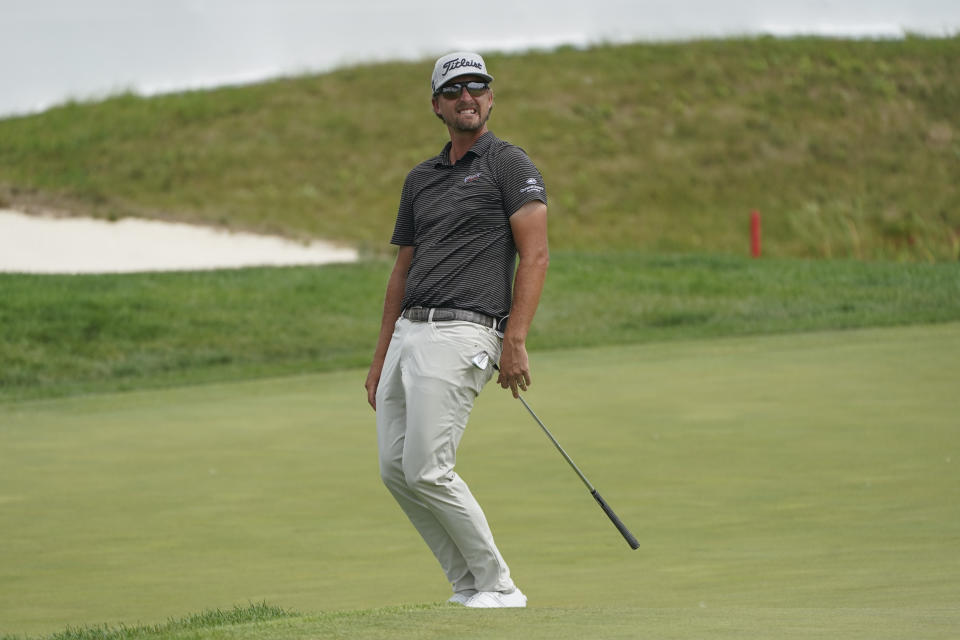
[{"x": 426, "y": 392}]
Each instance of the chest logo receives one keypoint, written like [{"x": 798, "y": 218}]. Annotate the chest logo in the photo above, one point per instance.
[{"x": 471, "y": 178}]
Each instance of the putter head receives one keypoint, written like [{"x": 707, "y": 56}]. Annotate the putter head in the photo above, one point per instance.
[{"x": 481, "y": 360}]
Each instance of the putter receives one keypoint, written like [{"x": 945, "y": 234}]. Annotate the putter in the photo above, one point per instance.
[{"x": 622, "y": 528}]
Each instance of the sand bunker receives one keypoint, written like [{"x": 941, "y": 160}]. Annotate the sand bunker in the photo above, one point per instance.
[{"x": 42, "y": 244}]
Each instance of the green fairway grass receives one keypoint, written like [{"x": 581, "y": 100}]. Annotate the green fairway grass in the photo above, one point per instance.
[
  {"x": 786, "y": 486},
  {"x": 439, "y": 622}
]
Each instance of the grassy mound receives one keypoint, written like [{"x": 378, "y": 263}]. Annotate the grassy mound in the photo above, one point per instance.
[{"x": 848, "y": 148}]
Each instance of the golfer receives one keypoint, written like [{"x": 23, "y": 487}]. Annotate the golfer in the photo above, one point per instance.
[{"x": 449, "y": 315}]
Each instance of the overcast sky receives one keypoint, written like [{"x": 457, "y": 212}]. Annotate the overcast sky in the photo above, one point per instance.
[{"x": 53, "y": 50}]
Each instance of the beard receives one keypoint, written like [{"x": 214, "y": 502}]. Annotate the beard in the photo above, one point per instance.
[{"x": 459, "y": 124}]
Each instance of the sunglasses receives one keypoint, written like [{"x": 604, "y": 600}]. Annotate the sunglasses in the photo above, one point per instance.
[{"x": 453, "y": 91}]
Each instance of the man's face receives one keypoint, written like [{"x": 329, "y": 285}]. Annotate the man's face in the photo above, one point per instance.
[{"x": 465, "y": 112}]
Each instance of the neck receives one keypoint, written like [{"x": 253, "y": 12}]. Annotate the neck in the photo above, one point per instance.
[{"x": 461, "y": 141}]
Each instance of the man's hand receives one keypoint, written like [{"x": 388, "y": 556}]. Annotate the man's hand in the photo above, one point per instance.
[
  {"x": 514, "y": 367},
  {"x": 373, "y": 381}
]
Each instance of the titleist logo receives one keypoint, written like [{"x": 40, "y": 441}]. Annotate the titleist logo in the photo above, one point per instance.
[{"x": 462, "y": 62}]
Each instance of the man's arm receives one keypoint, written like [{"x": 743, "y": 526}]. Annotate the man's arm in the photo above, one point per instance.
[
  {"x": 391, "y": 311},
  {"x": 529, "y": 225}
]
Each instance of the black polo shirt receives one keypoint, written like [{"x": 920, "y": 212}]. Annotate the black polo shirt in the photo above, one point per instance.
[{"x": 458, "y": 218}]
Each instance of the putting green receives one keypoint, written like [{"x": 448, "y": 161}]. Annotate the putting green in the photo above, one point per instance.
[{"x": 803, "y": 472}]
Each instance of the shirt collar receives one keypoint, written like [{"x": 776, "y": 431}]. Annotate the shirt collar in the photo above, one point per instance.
[{"x": 479, "y": 148}]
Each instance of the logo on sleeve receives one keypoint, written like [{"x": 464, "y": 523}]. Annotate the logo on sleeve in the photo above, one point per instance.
[{"x": 532, "y": 186}]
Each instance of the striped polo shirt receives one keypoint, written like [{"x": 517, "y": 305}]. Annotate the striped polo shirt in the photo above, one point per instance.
[{"x": 458, "y": 218}]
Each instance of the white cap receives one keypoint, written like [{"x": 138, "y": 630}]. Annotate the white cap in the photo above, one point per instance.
[{"x": 460, "y": 63}]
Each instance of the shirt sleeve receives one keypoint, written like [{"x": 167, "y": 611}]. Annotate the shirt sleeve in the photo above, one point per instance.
[{"x": 520, "y": 181}]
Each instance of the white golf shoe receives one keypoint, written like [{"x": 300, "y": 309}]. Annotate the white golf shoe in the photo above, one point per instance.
[
  {"x": 497, "y": 599},
  {"x": 461, "y": 597}
]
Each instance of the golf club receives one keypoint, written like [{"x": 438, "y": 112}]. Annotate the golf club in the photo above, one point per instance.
[{"x": 622, "y": 528}]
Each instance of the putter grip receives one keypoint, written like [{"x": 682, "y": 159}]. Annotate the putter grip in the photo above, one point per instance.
[{"x": 622, "y": 528}]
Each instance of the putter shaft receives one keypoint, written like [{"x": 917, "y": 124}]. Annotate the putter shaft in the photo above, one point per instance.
[
  {"x": 557, "y": 445},
  {"x": 622, "y": 528}
]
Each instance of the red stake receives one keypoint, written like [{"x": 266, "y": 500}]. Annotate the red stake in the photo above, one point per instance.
[{"x": 755, "y": 234}]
